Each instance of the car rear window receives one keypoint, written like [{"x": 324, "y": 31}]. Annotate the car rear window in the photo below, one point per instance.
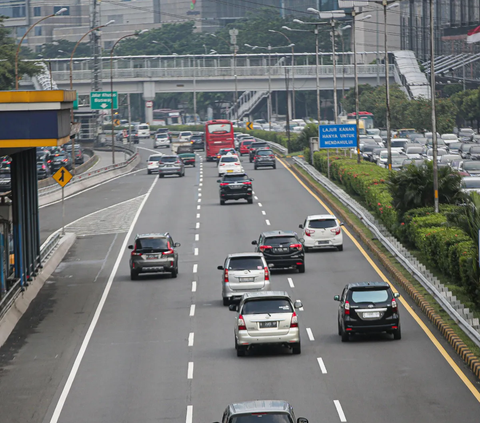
[
  {"x": 168, "y": 159},
  {"x": 143, "y": 127},
  {"x": 370, "y": 296},
  {"x": 264, "y": 152},
  {"x": 273, "y": 305},
  {"x": 245, "y": 263},
  {"x": 162, "y": 135},
  {"x": 152, "y": 244},
  {"x": 276, "y": 241},
  {"x": 322, "y": 223},
  {"x": 261, "y": 417},
  {"x": 259, "y": 145},
  {"x": 154, "y": 158},
  {"x": 234, "y": 178},
  {"x": 228, "y": 159}
]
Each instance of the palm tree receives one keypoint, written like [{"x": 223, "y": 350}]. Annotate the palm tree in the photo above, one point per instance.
[{"x": 412, "y": 187}]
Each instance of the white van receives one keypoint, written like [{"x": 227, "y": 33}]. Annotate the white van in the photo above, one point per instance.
[{"x": 143, "y": 130}]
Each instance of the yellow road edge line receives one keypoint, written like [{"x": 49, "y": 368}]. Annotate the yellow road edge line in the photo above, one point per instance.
[{"x": 415, "y": 316}]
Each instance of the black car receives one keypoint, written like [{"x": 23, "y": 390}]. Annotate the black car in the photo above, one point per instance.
[
  {"x": 62, "y": 159},
  {"x": 197, "y": 142},
  {"x": 235, "y": 186},
  {"x": 43, "y": 167},
  {"x": 264, "y": 157},
  {"x": 282, "y": 249},
  {"x": 78, "y": 153},
  {"x": 368, "y": 307},
  {"x": 254, "y": 146},
  {"x": 5, "y": 180}
]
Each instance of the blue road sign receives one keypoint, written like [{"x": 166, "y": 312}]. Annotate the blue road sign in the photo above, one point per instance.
[{"x": 337, "y": 136}]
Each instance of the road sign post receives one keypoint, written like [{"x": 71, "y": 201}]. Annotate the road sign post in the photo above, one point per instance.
[
  {"x": 62, "y": 177},
  {"x": 249, "y": 126},
  {"x": 102, "y": 100},
  {"x": 336, "y": 136}
]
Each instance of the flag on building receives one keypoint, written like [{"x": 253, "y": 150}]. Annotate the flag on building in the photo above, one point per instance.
[{"x": 473, "y": 35}]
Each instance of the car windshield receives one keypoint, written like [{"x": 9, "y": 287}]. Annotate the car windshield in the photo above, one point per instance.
[
  {"x": 370, "y": 296},
  {"x": 143, "y": 127},
  {"x": 219, "y": 128},
  {"x": 154, "y": 158},
  {"x": 274, "y": 305},
  {"x": 264, "y": 152},
  {"x": 235, "y": 178},
  {"x": 471, "y": 183},
  {"x": 247, "y": 143},
  {"x": 168, "y": 159},
  {"x": 449, "y": 137},
  {"x": 276, "y": 241},
  {"x": 229, "y": 159},
  {"x": 196, "y": 138},
  {"x": 414, "y": 150},
  {"x": 162, "y": 135},
  {"x": 152, "y": 244},
  {"x": 245, "y": 263},
  {"x": 397, "y": 160},
  {"x": 398, "y": 143},
  {"x": 471, "y": 165},
  {"x": 322, "y": 223}
]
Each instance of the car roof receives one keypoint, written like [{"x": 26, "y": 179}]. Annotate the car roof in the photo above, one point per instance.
[
  {"x": 152, "y": 235},
  {"x": 367, "y": 285},
  {"x": 278, "y": 233},
  {"x": 471, "y": 178},
  {"x": 155, "y": 155},
  {"x": 169, "y": 155},
  {"x": 321, "y": 216},
  {"x": 236, "y": 174},
  {"x": 265, "y": 294},
  {"x": 259, "y": 405},
  {"x": 245, "y": 255}
]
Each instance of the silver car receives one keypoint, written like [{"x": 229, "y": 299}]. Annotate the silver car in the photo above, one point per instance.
[
  {"x": 266, "y": 318},
  {"x": 243, "y": 272},
  {"x": 268, "y": 411},
  {"x": 170, "y": 165}
]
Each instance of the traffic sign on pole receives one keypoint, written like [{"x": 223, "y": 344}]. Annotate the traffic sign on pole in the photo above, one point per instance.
[
  {"x": 337, "y": 136},
  {"x": 62, "y": 176},
  {"x": 249, "y": 126},
  {"x": 102, "y": 100}
]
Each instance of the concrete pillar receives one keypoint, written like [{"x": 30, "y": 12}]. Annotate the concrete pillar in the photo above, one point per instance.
[{"x": 148, "y": 97}]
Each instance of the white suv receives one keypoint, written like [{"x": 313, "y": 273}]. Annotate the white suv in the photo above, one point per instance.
[
  {"x": 184, "y": 136},
  {"x": 143, "y": 130},
  {"x": 153, "y": 163},
  {"x": 243, "y": 272},
  {"x": 230, "y": 163},
  {"x": 322, "y": 231}
]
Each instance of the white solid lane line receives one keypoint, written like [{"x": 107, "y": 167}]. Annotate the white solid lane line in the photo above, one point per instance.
[
  {"x": 340, "y": 412},
  {"x": 264, "y": 212},
  {"x": 195, "y": 268},
  {"x": 267, "y": 222},
  {"x": 189, "y": 417},
  {"x": 192, "y": 310},
  {"x": 310, "y": 334},
  {"x": 195, "y": 252},
  {"x": 322, "y": 365},
  {"x": 96, "y": 316},
  {"x": 190, "y": 370},
  {"x": 197, "y": 237},
  {"x": 190, "y": 339},
  {"x": 290, "y": 282},
  {"x": 194, "y": 286}
]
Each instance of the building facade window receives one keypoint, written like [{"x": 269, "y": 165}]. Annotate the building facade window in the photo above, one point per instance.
[
  {"x": 13, "y": 8},
  {"x": 37, "y": 11},
  {"x": 38, "y": 30}
]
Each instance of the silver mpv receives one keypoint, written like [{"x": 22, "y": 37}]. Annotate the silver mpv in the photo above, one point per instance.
[{"x": 243, "y": 272}]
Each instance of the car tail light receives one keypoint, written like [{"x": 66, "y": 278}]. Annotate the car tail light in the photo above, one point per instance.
[
  {"x": 309, "y": 232},
  {"x": 65, "y": 160},
  {"x": 241, "y": 323},
  {"x": 49, "y": 161},
  {"x": 294, "y": 322},
  {"x": 134, "y": 252},
  {"x": 150, "y": 163},
  {"x": 296, "y": 246},
  {"x": 43, "y": 167},
  {"x": 237, "y": 164},
  {"x": 247, "y": 183},
  {"x": 267, "y": 273},
  {"x": 222, "y": 164},
  {"x": 223, "y": 184},
  {"x": 168, "y": 252},
  {"x": 178, "y": 161},
  {"x": 272, "y": 155},
  {"x": 335, "y": 231},
  {"x": 347, "y": 308},
  {"x": 265, "y": 247},
  {"x": 257, "y": 156},
  {"x": 394, "y": 306},
  {"x": 225, "y": 276}
]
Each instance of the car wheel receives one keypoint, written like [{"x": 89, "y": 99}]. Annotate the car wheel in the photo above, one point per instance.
[
  {"x": 340, "y": 247},
  {"x": 307, "y": 249},
  {"x": 339, "y": 329},
  {"x": 397, "y": 334},
  {"x": 345, "y": 336},
  {"x": 296, "y": 348},
  {"x": 149, "y": 172},
  {"x": 250, "y": 201},
  {"x": 222, "y": 202},
  {"x": 161, "y": 176},
  {"x": 226, "y": 301},
  {"x": 240, "y": 350},
  {"x": 174, "y": 272},
  {"x": 274, "y": 166},
  {"x": 255, "y": 167},
  {"x": 301, "y": 268},
  {"x": 250, "y": 160},
  {"x": 133, "y": 275},
  {"x": 194, "y": 165}
]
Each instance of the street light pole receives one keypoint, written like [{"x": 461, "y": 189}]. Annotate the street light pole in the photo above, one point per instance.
[
  {"x": 63, "y": 9},
  {"x": 269, "y": 111},
  {"x": 387, "y": 87},
  {"x": 434, "y": 122},
  {"x": 357, "y": 100},
  {"x": 317, "y": 76},
  {"x": 334, "y": 62}
]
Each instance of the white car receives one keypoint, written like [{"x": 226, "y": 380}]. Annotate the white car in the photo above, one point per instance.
[
  {"x": 184, "y": 136},
  {"x": 161, "y": 141},
  {"x": 383, "y": 158},
  {"x": 449, "y": 138},
  {"x": 322, "y": 231},
  {"x": 152, "y": 163},
  {"x": 471, "y": 184},
  {"x": 229, "y": 163},
  {"x": 440, "y": 152},
  {"x": 414, "y": 152},
  {"x": 143, "y": 130}
]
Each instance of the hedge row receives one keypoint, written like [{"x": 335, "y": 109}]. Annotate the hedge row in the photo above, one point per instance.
[{"x": 446, "y": 247}]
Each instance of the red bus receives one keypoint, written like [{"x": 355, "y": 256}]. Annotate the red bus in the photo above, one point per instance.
[
  {"x": 367, "y": 118},
  {"x": 218, "y": 134}
]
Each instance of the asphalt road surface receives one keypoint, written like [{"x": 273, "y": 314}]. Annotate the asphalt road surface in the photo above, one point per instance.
[{"x": 97, "y": 347}]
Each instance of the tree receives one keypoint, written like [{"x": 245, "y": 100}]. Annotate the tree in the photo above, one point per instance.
[
  {"x": 413, "y": 187},
  {"x": 64, "y": 48},
  {"x": 7, "y": 61}
]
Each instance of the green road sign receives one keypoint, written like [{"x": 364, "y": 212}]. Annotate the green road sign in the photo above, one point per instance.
[
  {"x": 75, "y": 103},
  {"x": 102, "y": 100}
]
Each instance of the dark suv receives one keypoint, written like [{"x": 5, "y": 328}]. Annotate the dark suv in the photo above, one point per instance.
[
  {"x": 264, "y": 157},
  {"x": 153, "y": 253},
  {"x": 197, "y": 142},
  {"x": 235, "y": 186},
  {"x": 254, "y": 146},
  {"x": 368, "y": 307},
  {"x": 282, "y": 249}
]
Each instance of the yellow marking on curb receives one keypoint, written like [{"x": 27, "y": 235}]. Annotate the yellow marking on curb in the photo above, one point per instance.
[{"x": 412, "y": 313}]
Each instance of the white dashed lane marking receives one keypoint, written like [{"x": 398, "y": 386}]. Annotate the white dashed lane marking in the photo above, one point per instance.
[
  {"x": 198, "y": 215},
  {"x": 264, "y": 212},
  {"x": 194, "y": 286},
  {"x": 197, "y": 237},
  {"x": 267, "y": 222},
  {"x": 192, "y": 310},
  {"x": 190, "y": 370},
  {"x": 290, "y": 282},
  {"x": 198, "y": 225},
  {"x": 189, "y": 417},
  {"x": 195, "y": 252},
  {"x": 340, "y": 412},
  {"x": 195, "y": 268},
  {"x": 259, "y": 204},
  {"x": 322, "y": 365},
  {"x": 199, "y": 207},
  {"x": 310, "y": 334},
  {"x": 190, "y": 339}
]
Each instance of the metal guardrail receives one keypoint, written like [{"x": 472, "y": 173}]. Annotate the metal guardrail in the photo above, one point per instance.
[
  {"x": 276, "y": 146},
  {"x": 369, "y": 221},
  {"x": 49, "y": 245}
]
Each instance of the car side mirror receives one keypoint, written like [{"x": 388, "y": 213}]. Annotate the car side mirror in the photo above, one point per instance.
[
  {"x": 298, "y": 304},
  {"x": 254, "y": 242},
  {"x": 177, "y": 244},
  {"x": 342, "y": 224},
  {"x": 300, "y": 226},
  {"x": 396, "y": 295},
  {"x": 302, "y": 240},
  {"x": 271, "y": 265},
  {"x": 233, "y": 307},
  {"x": 219, "y": 180},
  {"x": 302, "y": 420},
  {"x": 130, "y": 247},
  {"x": 220, "y": 267},
  {"x": 337, "y": 298}
]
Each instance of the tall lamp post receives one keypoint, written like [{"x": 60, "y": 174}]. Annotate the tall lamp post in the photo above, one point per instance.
[
  {"x": 111, "y": 85},
  {"x": 63, "y": 9},
  {"x": 164, "y": 45},
  {"x": 293, "y": 68}
]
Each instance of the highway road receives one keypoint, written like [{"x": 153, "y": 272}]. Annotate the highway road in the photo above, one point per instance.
[{"x": 98, "y": 347}]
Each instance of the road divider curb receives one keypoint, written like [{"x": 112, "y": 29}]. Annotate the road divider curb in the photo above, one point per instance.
[{"x": 448, "y": 333}]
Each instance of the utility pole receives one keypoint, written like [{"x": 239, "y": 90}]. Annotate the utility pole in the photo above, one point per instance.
[{"x": 97, "y": 60}]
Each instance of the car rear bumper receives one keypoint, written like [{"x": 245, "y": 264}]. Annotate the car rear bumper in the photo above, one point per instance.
[
  {"x": 374, "y": 327},
  {"x": 292, "y": 337},
  {"x": 265, "y": 163},
  {"x": 153, "y": 267},
  {"x": 337, "y": 241},
  {"x": 282, "y": 262},
  {"x": 169, "y": 170},
  {"x": 235, "y": 195}
]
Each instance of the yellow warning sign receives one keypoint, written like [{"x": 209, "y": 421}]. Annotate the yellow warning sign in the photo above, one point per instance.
[
  {"x": 116, "y": 122},
  {"x": 62, "y": 176},
  {"x": 249, "y": 126}
]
